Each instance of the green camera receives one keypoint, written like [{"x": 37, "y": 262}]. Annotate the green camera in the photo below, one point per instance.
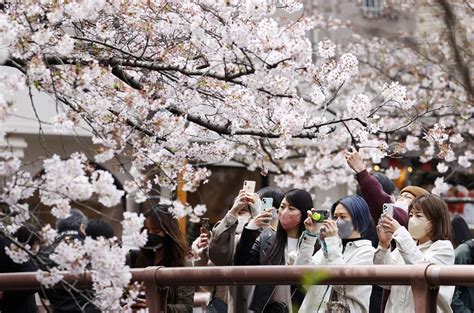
[{"x": 320, "y": 215}]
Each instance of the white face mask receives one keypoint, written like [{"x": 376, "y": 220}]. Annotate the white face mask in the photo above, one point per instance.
[
  {"x": 417, "y": 227},
  {"x": 241, "y": 221},
  {"x": 402, "y": 204}
]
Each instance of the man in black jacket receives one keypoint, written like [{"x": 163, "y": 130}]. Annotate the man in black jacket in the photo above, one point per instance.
[{"x": 62, "y": 298}]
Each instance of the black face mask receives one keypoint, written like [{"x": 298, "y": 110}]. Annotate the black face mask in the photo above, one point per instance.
[{"x": 154, "y": 242}]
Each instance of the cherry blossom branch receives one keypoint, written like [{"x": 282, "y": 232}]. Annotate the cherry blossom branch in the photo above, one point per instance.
[
  {"x": 270, "y": 157},
  {"x": 225, "y": 129}
]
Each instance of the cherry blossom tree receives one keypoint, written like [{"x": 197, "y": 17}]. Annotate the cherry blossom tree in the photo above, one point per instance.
[
  {"x": 168, "y": 88},
  {"x": 434, "y": 69}
]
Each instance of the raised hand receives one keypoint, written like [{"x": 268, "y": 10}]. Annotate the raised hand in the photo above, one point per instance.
[
  {"x": 354, "y": 160},
  {"x": 385, "y": 237},
  {"x": 241, "y": 201},
  {"x": 331, "y": 228},
  {"x": 264, "y": 218},
  {"x": 203, "y": 246}
]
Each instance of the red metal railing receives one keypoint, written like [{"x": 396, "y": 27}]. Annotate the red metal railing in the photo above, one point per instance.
[{"x": 424, "y": 279}]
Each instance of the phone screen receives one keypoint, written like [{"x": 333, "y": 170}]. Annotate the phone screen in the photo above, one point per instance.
[{"x": 205, "y": 225}]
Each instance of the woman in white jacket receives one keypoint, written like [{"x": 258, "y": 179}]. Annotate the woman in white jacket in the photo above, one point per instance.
[
  {"x": 344, "y": 241},
  {"x": 428, "y": 240}
]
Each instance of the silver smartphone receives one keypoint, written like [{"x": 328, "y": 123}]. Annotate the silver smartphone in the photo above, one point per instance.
[
  {"x": 388, "y": 209},
  {"x": 249, "y": 186}
]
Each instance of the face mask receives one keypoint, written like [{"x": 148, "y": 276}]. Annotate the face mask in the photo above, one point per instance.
[
  {"x": 344, "y": 228},
  {"x": 289, "y": 221},
  {"x": 154, "y": 242},
  {"x": 241, "y": 221},
  {"x": 274, "y": 221},
  {"x": 417, "y": 228},
  {"x": 402, "y": 205}
]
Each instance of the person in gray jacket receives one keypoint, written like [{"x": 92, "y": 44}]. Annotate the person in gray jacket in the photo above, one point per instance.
[{"x": 463, "y": 299}]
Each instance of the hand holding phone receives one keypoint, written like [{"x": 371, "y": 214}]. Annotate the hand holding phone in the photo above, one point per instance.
[
  {"x": 388, "y": 209},
  {"x": 263, "y": 219},
  {"x": 206, "y": 226}
]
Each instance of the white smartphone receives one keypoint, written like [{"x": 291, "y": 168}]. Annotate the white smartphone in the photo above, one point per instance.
[
  {"x": 249, "y": 186},
  {"x": 388, "y": 209}
]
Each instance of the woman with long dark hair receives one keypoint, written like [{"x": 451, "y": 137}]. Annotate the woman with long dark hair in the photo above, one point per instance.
[
  {"x": 269, "y": 247},
  {"x": 165, "y": 247}
]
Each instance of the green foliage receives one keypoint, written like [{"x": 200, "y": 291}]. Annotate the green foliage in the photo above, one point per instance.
[{"x": 313, "y": 277}]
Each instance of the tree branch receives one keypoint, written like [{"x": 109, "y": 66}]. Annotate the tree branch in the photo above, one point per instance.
[{"x": 450, "y": 21}]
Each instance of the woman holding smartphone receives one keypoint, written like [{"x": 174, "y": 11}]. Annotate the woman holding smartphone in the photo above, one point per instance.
[
  {"x": 269, "y": 247},
  {"x": 427, "y": 240},
  {"x": 345, "y": 240},
  {"x": 165, "y": 247}
]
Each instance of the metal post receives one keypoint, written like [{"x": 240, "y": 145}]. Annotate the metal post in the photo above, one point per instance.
[
  {"x": 424, "y": 295},
  {"x": 155, "y": 295}
]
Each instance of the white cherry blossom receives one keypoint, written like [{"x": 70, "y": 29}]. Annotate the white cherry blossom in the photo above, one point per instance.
[
  {"x": 441, "y": 187},
  {"x": 17, "y": 254}
]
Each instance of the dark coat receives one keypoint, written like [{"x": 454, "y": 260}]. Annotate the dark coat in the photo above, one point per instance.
[
  {"x": 375, "y": 197},
  {"x": 15, "y": 301},
  {"x": 463, "y": 299},
  {"x": 179, "y": 299},
  {"x": 252, "y": 249},
  {"x": 61, "y": 299}
]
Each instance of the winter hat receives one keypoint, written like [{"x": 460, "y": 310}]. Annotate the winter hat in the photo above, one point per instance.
[{"x": 415, "y": 190}]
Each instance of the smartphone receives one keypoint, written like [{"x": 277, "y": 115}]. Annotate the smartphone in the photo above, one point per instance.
[
  {"x": 267, "y": 203},
  {"x": 206, "y": 226},
  {"x": 249, "y": 186},
  {"x": 388, "y": 209},
  {"x": 320, "y": 216}
]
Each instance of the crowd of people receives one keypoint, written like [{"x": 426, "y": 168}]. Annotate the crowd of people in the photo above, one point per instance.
[{"x": 378, "y": 225}]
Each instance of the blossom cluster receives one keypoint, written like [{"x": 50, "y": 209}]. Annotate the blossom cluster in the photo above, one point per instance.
[{"x": 133, "y": 234}]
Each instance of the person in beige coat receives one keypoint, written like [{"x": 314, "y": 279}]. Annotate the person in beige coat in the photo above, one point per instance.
[
  {"x": 427, "y": 240},
  {"x": 226, "y": 234}
]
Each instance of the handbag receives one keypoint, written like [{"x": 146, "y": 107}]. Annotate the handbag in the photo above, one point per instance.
[
  {"x": 275, "y": 307},
  {"x": 216, "y": 305},
  {"x": 336, "y": 306}
]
